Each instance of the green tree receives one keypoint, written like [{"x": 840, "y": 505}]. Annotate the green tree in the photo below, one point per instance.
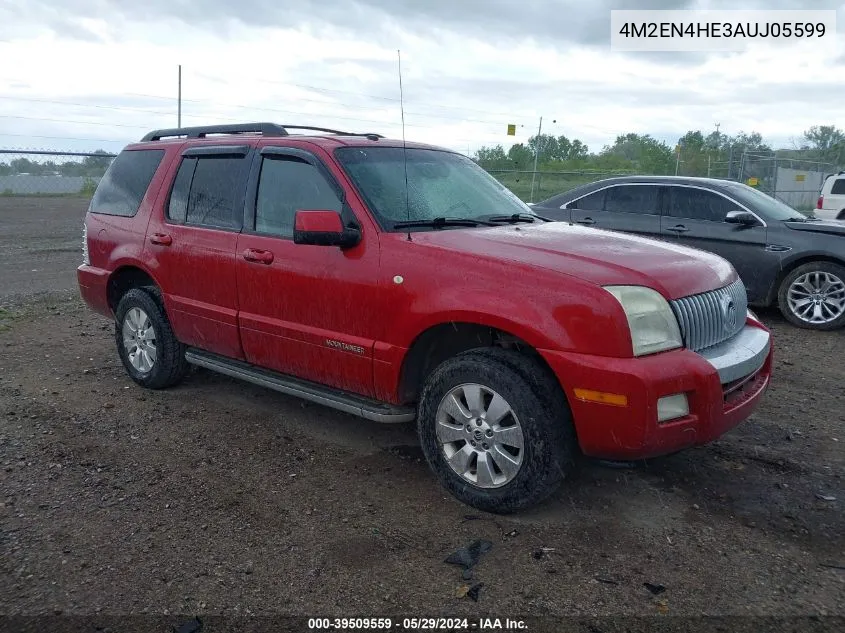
[
  {"x": 520, "y": 157},
  {"x": 644, "y": 153}
]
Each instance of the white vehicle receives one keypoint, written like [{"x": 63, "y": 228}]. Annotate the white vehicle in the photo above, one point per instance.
[{"x": 831, "y": 204}]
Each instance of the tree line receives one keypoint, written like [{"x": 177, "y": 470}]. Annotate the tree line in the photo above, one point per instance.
[
  {"x": 695, "y": 154},
  {"x": 89, "y": 166}
]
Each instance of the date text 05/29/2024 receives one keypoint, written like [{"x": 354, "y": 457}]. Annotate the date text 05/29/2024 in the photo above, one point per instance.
[{"x": 416, "y": 624}]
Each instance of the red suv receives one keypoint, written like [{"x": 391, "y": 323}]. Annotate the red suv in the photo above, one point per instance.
[{"x": 400, "y": 282}]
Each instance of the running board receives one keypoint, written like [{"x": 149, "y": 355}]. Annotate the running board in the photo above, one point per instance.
[{"x": 342, "y": 401}]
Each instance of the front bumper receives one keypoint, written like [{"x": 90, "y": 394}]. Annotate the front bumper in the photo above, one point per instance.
[{"x": 723, "y": 385}]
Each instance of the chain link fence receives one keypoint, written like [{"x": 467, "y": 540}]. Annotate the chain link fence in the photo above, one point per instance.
[
  {"x": 48, "y": 173},
  {"x": 796, "y": 182},
  {"x": 537, "y": 186}
]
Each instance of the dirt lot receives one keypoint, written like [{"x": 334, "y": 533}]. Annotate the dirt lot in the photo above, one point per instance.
[{"x": 218, "y": 497}]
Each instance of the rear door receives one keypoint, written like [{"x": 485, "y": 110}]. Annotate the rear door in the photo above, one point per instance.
[
  {"x": 191, "y": 242},
  {"x": 696, "y": 217},
  {"x": 632, "y": 208}
]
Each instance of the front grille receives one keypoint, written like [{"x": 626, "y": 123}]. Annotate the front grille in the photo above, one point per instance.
[{"x": 709, "y": 318}]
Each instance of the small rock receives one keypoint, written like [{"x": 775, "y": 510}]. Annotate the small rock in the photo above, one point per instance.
[{"x": 695, "y": 506}]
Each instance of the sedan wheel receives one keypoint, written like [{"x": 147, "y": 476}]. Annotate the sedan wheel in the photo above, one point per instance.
[{"x": 813, "y": 296}]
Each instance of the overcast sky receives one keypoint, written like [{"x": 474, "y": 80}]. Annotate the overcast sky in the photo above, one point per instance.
[{"x": 88, "y": 74}]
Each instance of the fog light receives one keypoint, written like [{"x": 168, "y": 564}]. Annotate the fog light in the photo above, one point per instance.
[{"x": 671, "y": 407}]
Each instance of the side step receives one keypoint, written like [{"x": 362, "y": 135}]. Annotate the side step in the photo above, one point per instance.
[{"x": 313, "y": 392}]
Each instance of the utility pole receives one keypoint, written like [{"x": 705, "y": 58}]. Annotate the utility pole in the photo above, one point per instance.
[
  {"x": 179, "y": 105},
  {"x": 677, "y": 158},
  {"x": 536, "y": 156}
]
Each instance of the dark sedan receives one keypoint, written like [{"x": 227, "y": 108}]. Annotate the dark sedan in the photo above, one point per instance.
[{"x": 783, "y": 257}]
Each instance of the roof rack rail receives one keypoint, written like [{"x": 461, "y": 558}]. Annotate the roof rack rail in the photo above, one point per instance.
[
  {"x": 370, "y": 135},
  {"x": 265, "y": 129}
]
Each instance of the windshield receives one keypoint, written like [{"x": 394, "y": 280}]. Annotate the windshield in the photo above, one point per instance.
[
  {"x": 762, "y": 204},
  {"x": 441, "y": 184}
]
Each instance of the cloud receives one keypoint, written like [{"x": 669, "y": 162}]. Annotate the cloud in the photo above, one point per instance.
[{"x": 107, "y": 69}]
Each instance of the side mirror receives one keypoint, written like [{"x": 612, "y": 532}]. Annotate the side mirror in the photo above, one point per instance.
[
  {"x": 744, "y": 218},
  {"x": 323, "y": 228}
]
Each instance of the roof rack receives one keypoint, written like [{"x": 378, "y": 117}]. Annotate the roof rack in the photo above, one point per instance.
[{"x": 265, "y": 129}]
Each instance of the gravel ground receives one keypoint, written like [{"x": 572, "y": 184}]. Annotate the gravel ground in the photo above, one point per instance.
[{"x": 221, "y": 498}]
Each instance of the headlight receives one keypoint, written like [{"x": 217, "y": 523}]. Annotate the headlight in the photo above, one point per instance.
[{"x": 653, "y": 325}]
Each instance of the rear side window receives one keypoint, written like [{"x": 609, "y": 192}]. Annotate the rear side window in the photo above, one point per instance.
[
  {"x": 838, "y": 186},
  {"x": 632, "y": 199},
  {"x": 593, "y": 202},
  {"x": 125, "y": 182},
  {"x": 207, "y": 192},
  {"x": 286, "y": 186}
]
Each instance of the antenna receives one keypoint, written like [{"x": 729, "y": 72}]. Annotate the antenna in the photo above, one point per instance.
[{"x": 404, "y": 147}]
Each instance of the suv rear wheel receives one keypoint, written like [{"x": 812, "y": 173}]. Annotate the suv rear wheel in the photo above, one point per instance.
[
  {"x": 496, "y": 429},
  {"x": 813, "y": 296},
  {"x": 152, "y": 356}
]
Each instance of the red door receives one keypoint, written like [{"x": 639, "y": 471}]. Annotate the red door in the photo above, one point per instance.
[
  {"x": 191, "y": 246},
  {"x": 305, "y": 310}
]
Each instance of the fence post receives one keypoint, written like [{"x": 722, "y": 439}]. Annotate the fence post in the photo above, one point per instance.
[{"x": 775, "y": 180}]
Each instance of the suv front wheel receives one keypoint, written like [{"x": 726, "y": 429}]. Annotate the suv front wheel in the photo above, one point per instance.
[
  {"x": 152, "y": 356},
  {"x": 496, "y": 429}
]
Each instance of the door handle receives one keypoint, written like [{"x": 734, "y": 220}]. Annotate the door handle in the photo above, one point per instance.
[
  {"x": 258, "y": 256},
  {"x": 162, "y": 239},
  {"x": 678, "y": 228},
  {"x": 586, "y": 221}
]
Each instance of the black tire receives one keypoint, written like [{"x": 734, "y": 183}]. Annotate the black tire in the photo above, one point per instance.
[
  {"x": 550, "y": 445},
  {"x": 170, "y": 365},
  {"x": 783, "y": 303}
]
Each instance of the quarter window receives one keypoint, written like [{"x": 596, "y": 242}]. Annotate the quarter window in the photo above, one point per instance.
[
  {"x": 838, "y": 186},
  {"x": 125, "y": 182}
]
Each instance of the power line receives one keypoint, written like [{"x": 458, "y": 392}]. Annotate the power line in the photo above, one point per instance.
[{"x": 33, "y": 118}]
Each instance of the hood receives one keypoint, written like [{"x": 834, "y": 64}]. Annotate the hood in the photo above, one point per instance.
[
  {"x": 593, "y": 255},
  {"x": 832, "y": 227}
]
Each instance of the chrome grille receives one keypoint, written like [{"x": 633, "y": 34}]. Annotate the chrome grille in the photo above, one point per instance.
[{"x": 709, "y": 318}]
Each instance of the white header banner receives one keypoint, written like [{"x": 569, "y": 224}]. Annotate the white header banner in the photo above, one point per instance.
[{"x": 710, "y": 30}]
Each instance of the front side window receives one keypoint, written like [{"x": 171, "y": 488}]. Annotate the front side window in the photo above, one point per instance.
[
  {"x": 697, "y": 204},
  {"x": 288, "y": 185},
  {"x": 632, "y": 199},
  {"x": 125, "y": 182},
  {"x": 440, "y": 184}
]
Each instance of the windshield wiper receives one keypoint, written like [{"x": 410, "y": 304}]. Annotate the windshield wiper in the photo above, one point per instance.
[
  {"x": 441, "y": 222},
  {"x": 797, "y": 218},
  {"x": 513, "y": 219}
]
